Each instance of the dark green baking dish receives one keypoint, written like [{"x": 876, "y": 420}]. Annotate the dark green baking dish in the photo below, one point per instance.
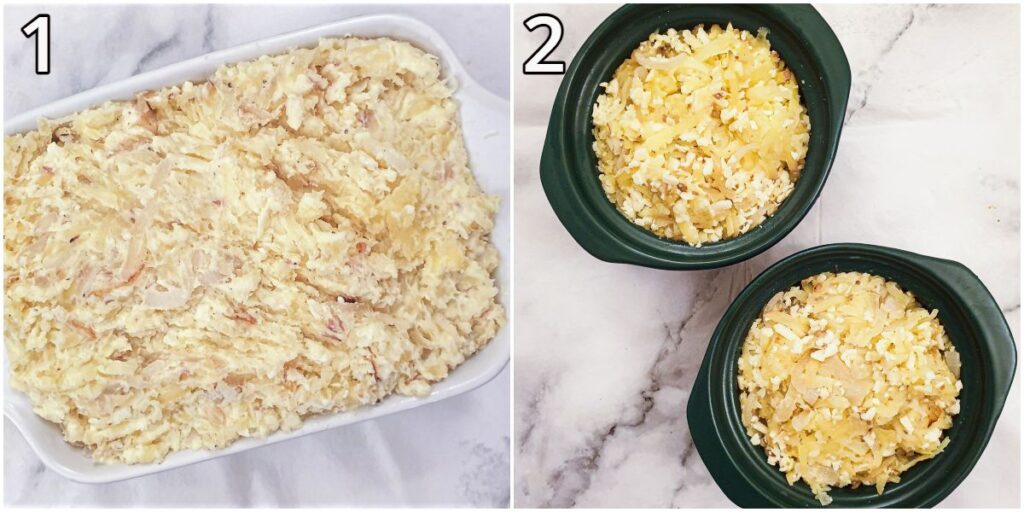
[
  {"x": 568, "y": 166},
  {"x": 973, "y": 321}
]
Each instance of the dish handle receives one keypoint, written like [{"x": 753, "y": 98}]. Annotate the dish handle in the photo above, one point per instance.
[
  {"x": 990, "y": 322},
  {"x": 707, "y": 441},
  {"x": 571, "y": 208}
]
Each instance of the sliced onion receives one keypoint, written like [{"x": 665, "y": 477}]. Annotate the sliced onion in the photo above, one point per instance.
[
  {"x": 952, "y": 358},
  {"x": 786, "y": 407},
  {"x": 801, "y": 420},
  {"x": 135, "y": 259},
  {"x": 803, "y": 383},
  {"x": 83, "y": 282},
  {"x": 32, "y": 250},
  {"x": 170, "y": 299},
  {"x": 211, "y": 277},
  {"x": 45, "y": 222},
  {"x": 743, "y": 150},
  {"x": 681, "y": 60}
]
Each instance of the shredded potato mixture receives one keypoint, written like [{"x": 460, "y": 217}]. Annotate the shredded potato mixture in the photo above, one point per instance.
[
  {"x": 297, "y": 235},
  {"x": 847, "y": 380},
  {"x": 700, "y": 135}
]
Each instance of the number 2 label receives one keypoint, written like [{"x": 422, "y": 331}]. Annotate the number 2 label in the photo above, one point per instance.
[
  {"x": 40, "y": 28},
  {"x": 537, "y": 63}
]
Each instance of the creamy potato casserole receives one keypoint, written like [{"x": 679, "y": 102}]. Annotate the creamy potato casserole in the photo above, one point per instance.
[
  {"x": 845, "y": 380},
  {"x": 700, "y": 134},
  {"x": 297, "y": 235}
]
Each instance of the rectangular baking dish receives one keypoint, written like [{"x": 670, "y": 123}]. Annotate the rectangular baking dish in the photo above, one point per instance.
[{"x": 485, "y": 125}]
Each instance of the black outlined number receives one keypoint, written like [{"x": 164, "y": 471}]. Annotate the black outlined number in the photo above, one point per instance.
[
  {"x": 537, "y": 63},
  {"x": 39, "y": 27}
]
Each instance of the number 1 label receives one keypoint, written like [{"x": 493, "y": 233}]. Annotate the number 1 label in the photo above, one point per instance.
[{"x": 40, "y": 28}]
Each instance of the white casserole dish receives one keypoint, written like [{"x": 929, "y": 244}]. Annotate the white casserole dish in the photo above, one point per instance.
[{"x": 485, "y": 125}]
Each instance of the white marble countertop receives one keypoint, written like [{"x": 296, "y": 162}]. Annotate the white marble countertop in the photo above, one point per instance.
[
  {"x": 454, "y": 452},
  {"x": 605, "y": 355}
]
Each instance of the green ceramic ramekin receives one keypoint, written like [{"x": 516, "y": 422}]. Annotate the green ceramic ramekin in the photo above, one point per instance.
[
  {"x": 569, "y": 166},
  {"x": 973, "y": 321}
]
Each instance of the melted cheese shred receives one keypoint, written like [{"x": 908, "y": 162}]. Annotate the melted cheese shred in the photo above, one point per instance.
[{"x": 298, "y": 235}]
